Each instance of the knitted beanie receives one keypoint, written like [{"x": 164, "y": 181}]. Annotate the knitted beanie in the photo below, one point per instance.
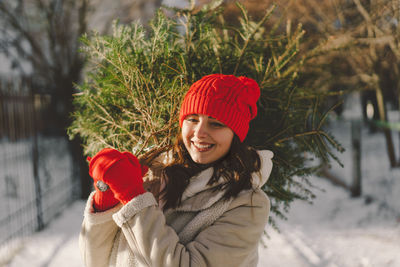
[{"x": 227, "y": 98}]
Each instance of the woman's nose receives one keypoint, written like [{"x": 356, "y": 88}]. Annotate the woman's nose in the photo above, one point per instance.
[{"x": 201, "y": 129}]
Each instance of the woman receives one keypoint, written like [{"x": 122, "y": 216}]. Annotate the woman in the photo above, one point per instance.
[{"x": 205, "y": 206}]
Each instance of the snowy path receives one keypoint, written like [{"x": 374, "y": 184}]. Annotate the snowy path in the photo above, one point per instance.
[
  {"x": 336, "y": 231},
  {"x": 57, "y": 245}
]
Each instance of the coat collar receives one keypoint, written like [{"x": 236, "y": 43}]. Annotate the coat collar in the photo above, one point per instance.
[{"x": 198, "y": 195}]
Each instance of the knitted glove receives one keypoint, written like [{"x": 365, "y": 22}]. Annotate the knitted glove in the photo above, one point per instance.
[
  {"x": 121, "y": 172},
  {"x": 102, "y": 200}
]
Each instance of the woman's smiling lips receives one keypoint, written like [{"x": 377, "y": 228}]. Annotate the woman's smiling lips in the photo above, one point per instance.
[{"x": 202, "y": 147}]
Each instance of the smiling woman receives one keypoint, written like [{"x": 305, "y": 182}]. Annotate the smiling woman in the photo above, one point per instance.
[{"x": 205, "y": 206}]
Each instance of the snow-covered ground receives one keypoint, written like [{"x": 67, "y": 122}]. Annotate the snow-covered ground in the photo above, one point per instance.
[
  {"x": 18, "y": 196},
  {"x": 336, "y": 230}
]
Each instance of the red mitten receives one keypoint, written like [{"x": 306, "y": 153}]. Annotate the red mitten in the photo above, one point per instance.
[
  {"x": 102, "y": 199},
  {"x": 122, "y": 172}
]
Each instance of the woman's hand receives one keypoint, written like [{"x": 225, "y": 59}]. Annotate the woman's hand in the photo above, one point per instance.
[{"x": 120, "y": 172}]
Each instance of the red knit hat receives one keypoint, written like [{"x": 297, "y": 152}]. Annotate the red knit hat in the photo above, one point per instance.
[{"x": 227, "y": 98}]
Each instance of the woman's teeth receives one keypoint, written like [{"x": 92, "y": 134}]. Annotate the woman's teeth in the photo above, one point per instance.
[{"x": 203, "y": 146}]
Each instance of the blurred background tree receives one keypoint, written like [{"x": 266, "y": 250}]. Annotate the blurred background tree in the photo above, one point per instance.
[
  {"x": 349, "y": 46},
  {"x": 41, "y": 40},
  {"x": 358, "y": 50}
]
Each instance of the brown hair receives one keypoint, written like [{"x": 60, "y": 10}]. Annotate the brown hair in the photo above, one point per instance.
[{"x": 236, "y": 168}]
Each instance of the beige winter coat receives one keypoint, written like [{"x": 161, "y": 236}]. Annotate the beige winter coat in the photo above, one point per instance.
[{"x": 203, "y": 231}]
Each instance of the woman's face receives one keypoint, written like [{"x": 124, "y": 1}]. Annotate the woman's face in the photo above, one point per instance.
[{"x": 205, "y": 138}]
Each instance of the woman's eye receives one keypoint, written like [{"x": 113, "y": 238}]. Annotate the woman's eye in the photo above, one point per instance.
[
  {"x": 217, "y": 124},
  {"x": 191, "y": 120}
]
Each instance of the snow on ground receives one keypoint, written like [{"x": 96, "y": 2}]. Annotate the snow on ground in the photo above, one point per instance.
[
  {"x": 18, "y": 192},
  {"x": 335, "y": 231},
  {"x": 57, "y": 245}
]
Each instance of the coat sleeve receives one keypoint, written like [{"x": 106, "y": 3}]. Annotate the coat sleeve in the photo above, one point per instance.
[
  {"x": 229, "y": 241},
  {"x": 97, "y": 235}
]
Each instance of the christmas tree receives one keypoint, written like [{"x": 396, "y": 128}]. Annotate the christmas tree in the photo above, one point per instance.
[{"x": 139, "y": 75}]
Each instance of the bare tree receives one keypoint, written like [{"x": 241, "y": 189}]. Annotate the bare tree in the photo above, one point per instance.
[
  {"x": 359, "y": 45},
  {"x": 41, "y": 38},
  {"x": 377, "y": 58}
]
